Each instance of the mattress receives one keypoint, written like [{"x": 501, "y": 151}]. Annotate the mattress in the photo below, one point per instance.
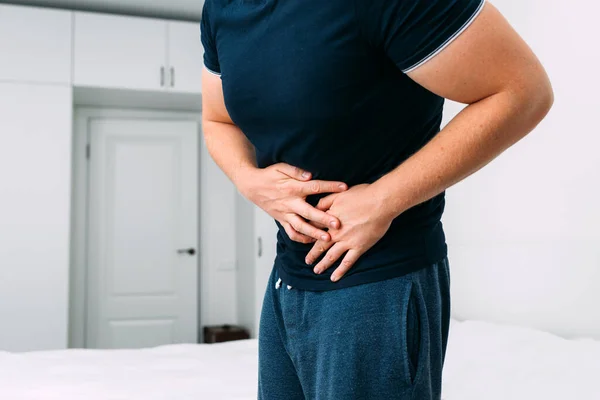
[{"x": 484, "y": 361}]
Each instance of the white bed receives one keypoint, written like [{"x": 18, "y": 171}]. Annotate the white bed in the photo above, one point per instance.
[{"x": 484, "y": 361}]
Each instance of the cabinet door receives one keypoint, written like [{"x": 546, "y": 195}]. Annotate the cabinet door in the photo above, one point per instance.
[
  {"x": 120, "y": 52},
  {"x": 185, "y": 57},
  {"x": 266, "y": 236},
  {"x": 35, "y": 171},
  {"x": 35, "y": 44}
]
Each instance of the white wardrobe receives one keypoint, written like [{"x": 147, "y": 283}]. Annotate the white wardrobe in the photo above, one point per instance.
[
  {"x": 35, "y": 169},
  {"x": 49, "y": 59}
]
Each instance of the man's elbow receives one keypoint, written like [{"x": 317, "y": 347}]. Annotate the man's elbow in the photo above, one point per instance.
[
  {"x": 544, "y": 100},
  {"x": 537, "y": 97}
]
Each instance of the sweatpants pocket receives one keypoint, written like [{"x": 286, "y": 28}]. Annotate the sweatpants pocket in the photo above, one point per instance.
[{"x": 412, "y": 335}]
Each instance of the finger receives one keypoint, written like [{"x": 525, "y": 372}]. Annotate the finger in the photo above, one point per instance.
[
  {"x": 301, "y": 226},
  {"x": 302, "y": 208},
  {"x": 349, "y": 260},
  {"x": 317, "y": 187},
  {"x": 318, "y": 224},
  {"x": 293, "y": 172},
  {"x": 317, "y": 250},
  {"x": 295, "y": 236},
  {"x": 331, "y": 257},
  {"x": 326, "y": 202}
]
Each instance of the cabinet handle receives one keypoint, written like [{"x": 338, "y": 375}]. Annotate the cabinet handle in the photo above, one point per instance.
[
  {"x": 162, "y": 76},
  {"x": 260, "y": 250},
  {"x": 172, "y": 77}
]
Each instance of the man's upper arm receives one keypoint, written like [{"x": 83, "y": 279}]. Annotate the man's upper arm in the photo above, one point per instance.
[
  {"x": 213, "y": 103},
  {"x": 485, "y": 59}
]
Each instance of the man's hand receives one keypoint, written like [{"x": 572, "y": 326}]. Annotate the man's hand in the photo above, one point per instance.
[
  {"x": 363, "y": 222},
  {"x": 281, "y": 191}
]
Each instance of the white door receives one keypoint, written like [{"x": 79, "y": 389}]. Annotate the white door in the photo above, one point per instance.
[
  {"x": 35, "y": 44},
  {"x": 185, "y": 57},
  {"x": 142, "y": 285},
  {"x": 35, "y": 195},
  {"x": 123, "y": 52}
]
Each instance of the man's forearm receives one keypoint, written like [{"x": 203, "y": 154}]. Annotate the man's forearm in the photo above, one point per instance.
[
  {"x": 230, "y": 149},
  {"x": 471, "y": 140}
]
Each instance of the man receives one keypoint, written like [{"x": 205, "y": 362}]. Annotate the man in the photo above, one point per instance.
[{"x": 326, "y": 114}]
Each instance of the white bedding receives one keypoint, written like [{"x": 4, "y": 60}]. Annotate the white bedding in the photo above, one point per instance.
[
  {"x": 494, "y": 362},
  {"x": 484, "y": 361}
]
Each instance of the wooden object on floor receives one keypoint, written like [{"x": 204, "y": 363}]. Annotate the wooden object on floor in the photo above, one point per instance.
[{"x": 224, "y": 333}]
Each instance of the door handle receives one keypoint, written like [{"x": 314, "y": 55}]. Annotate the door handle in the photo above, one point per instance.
[
  {"x": 172, "y": 77},
  {"x": 162, "y": 76},
  {"x": 190, "y": 252}
]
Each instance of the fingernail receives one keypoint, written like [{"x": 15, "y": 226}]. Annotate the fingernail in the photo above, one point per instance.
[
  {"x": 342, "y": 186},
  {"x": 306, "y": 174},
  {"x": 325, "y": 238},
  {"x": 317, "y": 271},
  {"x": 335, "y": 278},
  {"x": 333, "y": 224},
  {"x": 308, "y": 261}
]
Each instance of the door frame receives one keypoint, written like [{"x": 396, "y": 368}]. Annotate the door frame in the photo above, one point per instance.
[{"x": 79, "y": 209}]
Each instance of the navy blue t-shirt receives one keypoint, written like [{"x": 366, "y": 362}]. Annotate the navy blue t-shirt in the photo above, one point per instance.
[{"x": 322, "y": 85}]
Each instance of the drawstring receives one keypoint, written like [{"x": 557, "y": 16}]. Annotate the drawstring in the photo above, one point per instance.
[{"x": 278, "y": 284}]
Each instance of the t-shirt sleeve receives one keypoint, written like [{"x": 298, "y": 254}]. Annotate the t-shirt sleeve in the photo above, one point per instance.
[
  {"x": 211, "y": 58},
  {"x": 412, "y": 32}
]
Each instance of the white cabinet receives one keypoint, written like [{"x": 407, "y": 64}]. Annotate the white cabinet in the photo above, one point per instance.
[
  {"x": 185, "y": 57},
  {"x": 35, "y": 45},
  {"x": 266, "y": 236},
  {"x": 256, "y": 246},
  {"x": 136, "y": 53},
  {"x": 35, "y": 171},
  {"x": 119, "y": 52}
]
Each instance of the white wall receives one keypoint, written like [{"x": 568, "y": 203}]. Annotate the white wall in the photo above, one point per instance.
[{"x": 523, "y": 233}]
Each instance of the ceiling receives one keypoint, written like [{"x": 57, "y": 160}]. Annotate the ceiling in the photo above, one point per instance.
[{"x": 173, "y": 9}]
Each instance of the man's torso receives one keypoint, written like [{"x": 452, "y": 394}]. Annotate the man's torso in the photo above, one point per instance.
[{"x": 307, "y": 88}]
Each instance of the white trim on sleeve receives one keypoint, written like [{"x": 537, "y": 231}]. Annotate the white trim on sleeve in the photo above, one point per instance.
[
  {"x": 211, "y": 71},
  {"x": 448, "y": 41}
]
